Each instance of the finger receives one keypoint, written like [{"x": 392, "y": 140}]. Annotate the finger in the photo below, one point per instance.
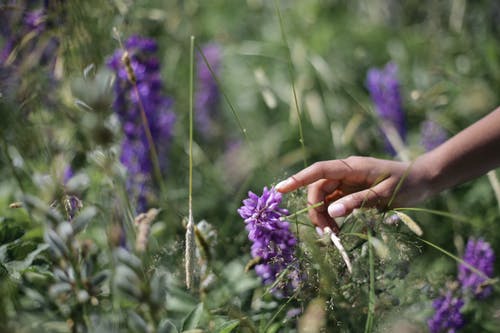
[
  {"x": 322, "y": 220},
  {"x": 316, "y": 193},
  {"x": 319, "y": 190},
  {"x": 333, "y": 170},
  {"x": 372, "y": 197}
]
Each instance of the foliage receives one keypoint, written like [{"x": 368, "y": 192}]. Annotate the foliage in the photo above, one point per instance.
[{"x": 78, "y": 255}]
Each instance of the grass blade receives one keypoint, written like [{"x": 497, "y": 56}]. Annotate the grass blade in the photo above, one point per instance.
[{"x": 292, "y": 79}]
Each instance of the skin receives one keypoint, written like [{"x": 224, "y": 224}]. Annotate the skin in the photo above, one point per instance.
[{"x": 346, "y": 184}]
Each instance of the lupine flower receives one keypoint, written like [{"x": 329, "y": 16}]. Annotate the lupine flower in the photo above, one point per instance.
[
  {"x": 478, "y": 254},
  {"x": 432, "y": 135},
  {"x": 273, "y": 242},
  {"x": 136, "y": 151},
  {"x": 207, "y": 93},
  {"x": 447, "y": 316},
  {"x": 384, "y": 89}
]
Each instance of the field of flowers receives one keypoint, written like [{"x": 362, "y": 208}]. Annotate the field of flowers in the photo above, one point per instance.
[{"x": 141, "y": 142}]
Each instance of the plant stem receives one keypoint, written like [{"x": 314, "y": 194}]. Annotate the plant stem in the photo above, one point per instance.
[{"x": 292, "y": 78}]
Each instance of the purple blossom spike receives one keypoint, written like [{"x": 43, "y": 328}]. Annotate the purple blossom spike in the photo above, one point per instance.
[
  {"x": 207, "y": 96},
  {"x": 273, "y": 242},
  {"x": 432, "y": 135},
  {"x": 480, "y": 255},
  {"x": 136, "y": 153},
  {"x": 384, "y": 89},
  {"x": 447, "y": 316}
]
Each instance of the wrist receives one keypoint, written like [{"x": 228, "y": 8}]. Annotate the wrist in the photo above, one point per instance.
[{"x": 429, "y": 175}]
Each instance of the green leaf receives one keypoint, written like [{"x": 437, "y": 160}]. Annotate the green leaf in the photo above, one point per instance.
[
  {"x": 56, "y": 244},
  {"x": 36, "y": 204},
  {"x": 16, "y": 267},
  {"x": 10, "y": 230},
  {"x": 129, "y": 259},
  {"x": 137, "y": 323},
  {"x": 166, "y": 326},
  {"x": 193, "y": 318},
  {"x": 83, "y": 218},
  {"x": 227, "y": 326}
]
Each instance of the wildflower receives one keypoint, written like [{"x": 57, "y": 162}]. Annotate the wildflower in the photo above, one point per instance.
[
  {"x": 207, "y": 94},
  {"x": 432, "y": 135},
  {"x": 447, "y": 316},
  {"x": 384, "y": 89},
  {"x": 273, "y": 242},
  {"x": 478, "y": 254},
  {"x": 130, "y": 103}
]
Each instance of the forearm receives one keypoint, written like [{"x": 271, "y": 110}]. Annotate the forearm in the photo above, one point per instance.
[{"x": 469, "y": 154}]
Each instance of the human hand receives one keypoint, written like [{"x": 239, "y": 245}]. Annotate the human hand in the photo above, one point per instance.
[{"x": 354, "y": 182}]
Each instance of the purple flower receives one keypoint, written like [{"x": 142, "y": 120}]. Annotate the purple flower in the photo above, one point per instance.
[
  {"x": 478, "y": 254},
  {"x": 447, "y": 316},
  {"x": 207, "y": 93},
  {"x": 136, "y": 154},
  {"x": 432, "y": 135},
  {"x": 384, "y": 89},
  {"x": 273, "y": 242}
]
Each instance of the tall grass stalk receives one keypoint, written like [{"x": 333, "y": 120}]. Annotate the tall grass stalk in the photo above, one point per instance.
[
  {"x": 371, "y": 294},
  {"x": 190, "y": 235},
  {"x": 460, "y": 260},
  {"x": 292, "y": 79}
]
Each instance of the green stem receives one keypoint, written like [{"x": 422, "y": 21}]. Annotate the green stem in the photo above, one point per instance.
[
  {"x": 461, "y": 261},
  {"x": 191, "y": 74},
  {"x": 436, "y": 212},
  {"x": 152, "y": 148},
  {"x": 303, "y": 210},
  {"x": 228, "y": 101},
  {"x": 292, "y": 78},
  {"x": 371, "y": 299}
]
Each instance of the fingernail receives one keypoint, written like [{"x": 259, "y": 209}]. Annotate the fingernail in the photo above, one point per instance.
[
  {"x": 336, "y": 210},
  {"x": 319, "y": 231},
  {"x": 282, "y": 184}
]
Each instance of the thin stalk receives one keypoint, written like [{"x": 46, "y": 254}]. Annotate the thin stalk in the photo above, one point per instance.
[
  {"x": 292, "y": 78},
  {"x": 435, "y": 212},
  {"x": 226, "y": 97},
  {"x": 145, "y": 123},
  {"x": 191, "y": 84},
  {"x": 152, "y": 148},
  {"x": 190, "y": 235},
  {"x": 371, "y": 299},
  {"x": 303, "y": 210},
  {"x": 461, "y": 261},
  {"x": 269, "y": 323}
]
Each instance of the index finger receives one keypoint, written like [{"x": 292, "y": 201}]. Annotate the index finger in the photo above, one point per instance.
[{"x": 334, "y": 170}]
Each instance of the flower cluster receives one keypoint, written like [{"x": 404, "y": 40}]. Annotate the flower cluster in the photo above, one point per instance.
[
  {"x": 447, "y": 317},
  {"x": 142, "y": 93},
  {"x": 384, "y": 89},
  {"x": 207, "y": 96},
  {"x": 432, "y": 135},
  {"x": 273, "y": 242},
  {"x": 478, "y": 254}
]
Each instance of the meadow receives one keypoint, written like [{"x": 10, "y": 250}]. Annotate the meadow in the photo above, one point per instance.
[{"x": 141, "y": 142}]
